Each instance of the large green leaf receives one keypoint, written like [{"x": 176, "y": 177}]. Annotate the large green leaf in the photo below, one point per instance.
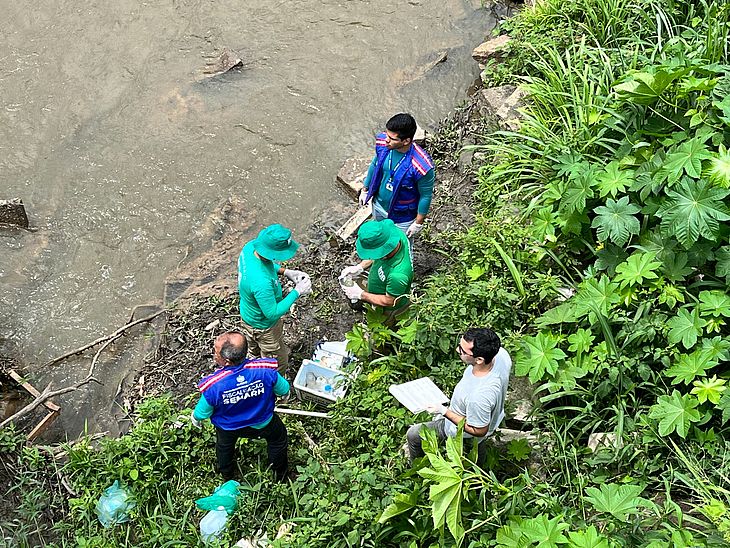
[
  {"x": 691, "y": 366},
  {"x": 609, "y": 257},
  {"x": 675, "y": 413},
  {"x": 563, "y": 313},
  {"x": 687, "y": 158},
  {"x": 540, "y": 357},
  {"x": 447, "y": 482},
  {"x": 402, "y": 502},
  {"x": 614, "y": 180},
  {"x": 577, "y": 191},
  {"x": 596, "y": 297},
  {"x": 718, "y": 172},
  {"x": 618, "y": 500},
  {"x": 714, "y": 303},
  {"x": 538, "y": 531},
  {"x": 615, "y": 221},
  {"x": 637, "y": 269},
  {"x": 694, "y": 209},
  {"x": 590, "y": 538},
  {"x": 709, "y": 389},
  {"x": 717, "y": 348},
  {"x": 686, "y": 326},
  {"x": 645, "y": 88},
  {"x": 580, "y": 341}
]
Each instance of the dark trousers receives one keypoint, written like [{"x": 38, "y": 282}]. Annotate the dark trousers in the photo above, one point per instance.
[{"x": 276, "y": 441}]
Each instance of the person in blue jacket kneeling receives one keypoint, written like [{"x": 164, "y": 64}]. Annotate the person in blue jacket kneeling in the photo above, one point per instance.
[{"x": 239, "y": 400}]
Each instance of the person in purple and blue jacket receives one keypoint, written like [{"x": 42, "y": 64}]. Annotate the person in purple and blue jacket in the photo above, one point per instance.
[
  {"x": 239, "y": 400},
  {"x": 400, "y": 178}
]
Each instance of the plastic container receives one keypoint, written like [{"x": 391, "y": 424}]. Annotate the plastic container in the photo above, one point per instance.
[
  {"x": 332, "y": 354},
  {"x": 319, "y": 384},
  {"x": 213, "y": 524}
]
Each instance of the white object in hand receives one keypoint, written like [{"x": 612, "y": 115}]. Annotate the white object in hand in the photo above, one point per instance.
[
  {"x": 196, "y": 422},
  {"x": 354, "y": 292},
  {"x": 351, "y": 271},
  {"x": 294, "y": 275},
  {"x": 362, "y": 198},
  {"x": 414, "y": 229},
  {"x": 304, "y": 286},
  {"x": 437, "y": 409}
]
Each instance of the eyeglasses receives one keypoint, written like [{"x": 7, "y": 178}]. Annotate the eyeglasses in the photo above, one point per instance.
[{"x": 463, "y": 352}]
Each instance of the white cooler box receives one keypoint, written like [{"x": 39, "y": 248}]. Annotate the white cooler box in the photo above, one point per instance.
[{"x": 321, "y": 380}]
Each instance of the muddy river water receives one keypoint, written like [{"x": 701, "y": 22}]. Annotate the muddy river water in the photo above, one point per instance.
[{"x": 121, "y": 149}]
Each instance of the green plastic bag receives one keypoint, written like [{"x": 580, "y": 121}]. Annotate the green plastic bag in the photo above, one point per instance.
[
  {"x": 114, "y": 505},
  {"x": 225, "y": 495}
]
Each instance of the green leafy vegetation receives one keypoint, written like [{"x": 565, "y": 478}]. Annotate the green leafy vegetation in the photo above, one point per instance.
[{"x": 599, "y": 251}]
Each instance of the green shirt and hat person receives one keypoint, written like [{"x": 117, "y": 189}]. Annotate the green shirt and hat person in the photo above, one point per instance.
[
  {"x": 262, "y": 303},
  {"x": 385, "y": 250}
]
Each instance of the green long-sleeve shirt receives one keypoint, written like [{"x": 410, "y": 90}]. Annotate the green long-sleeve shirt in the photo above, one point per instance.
[
  {"x": 261, "y": 302},
  {"x": 384, "y": 196}
]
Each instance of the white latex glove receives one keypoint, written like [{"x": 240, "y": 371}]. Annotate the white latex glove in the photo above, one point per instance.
[
  {"x": 196, "y": 422},
  {"x": 414, "y": 229},
  {"x": 352, "y": 271},
  {"x": 294, "y": 275},
  {"x": 363, "y": 196},
  {"x": 437, "y": 409},
  {"x": 354, "y": 292},
  {"x": 285, "y": 398},
  {"x": 304, "y": 286}
]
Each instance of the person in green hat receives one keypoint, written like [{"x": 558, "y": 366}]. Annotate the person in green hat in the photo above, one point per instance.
[
  {"x": 384, "y": 250},
  {"x": 262, "y": 303}
]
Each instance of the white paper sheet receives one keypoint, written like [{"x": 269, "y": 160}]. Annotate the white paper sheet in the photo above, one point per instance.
[{"x": 416, "y": 395}]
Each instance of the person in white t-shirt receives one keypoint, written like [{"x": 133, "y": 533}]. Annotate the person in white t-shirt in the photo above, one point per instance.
[{"x": 478, "y": 397}]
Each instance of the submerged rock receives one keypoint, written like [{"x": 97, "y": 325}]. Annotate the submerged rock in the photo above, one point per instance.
[{"x": 12, "y": 212}]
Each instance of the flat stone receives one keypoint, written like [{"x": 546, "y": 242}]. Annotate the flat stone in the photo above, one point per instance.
[
  {"x": 491, "y": 49},
  {"x": 354, "y": 222},
  {"x": 352, "y": 175},
  {"x": 12, "y": 212},
  {"x": 492, "y": 99}
]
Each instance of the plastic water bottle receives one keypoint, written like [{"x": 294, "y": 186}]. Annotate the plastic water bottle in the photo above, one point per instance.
[{"x": 213, "y": 524}]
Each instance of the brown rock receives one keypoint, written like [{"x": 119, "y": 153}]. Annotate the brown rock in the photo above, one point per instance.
[
  {"x": 491, "y": 49},
  {"x": 12, "y": 212}
]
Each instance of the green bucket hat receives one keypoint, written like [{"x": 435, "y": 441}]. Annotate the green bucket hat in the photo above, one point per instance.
[
  {"x": 376, "y": 239},
  {"x": 275, "y": 243}
]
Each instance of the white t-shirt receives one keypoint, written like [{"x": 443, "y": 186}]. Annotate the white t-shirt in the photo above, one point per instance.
[{"x": 481, "y": 399}]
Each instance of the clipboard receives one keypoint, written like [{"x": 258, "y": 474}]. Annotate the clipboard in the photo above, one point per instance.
[{"x": 416, "y": 395}]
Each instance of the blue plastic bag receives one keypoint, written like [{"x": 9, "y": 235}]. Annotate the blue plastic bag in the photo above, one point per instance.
[
  {"x": 226, "y": 495},
  {"x": 114, "y": 505}
]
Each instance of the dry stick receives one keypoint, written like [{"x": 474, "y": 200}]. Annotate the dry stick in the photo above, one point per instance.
[
  {"x": 47, "y": 394},
  {"x": 100, "y": 340}
]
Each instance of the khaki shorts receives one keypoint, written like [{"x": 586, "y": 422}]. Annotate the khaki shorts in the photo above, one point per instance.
[{"x": 268, "y": 343}]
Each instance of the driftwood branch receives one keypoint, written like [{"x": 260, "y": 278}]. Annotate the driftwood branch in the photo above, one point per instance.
[
  {"x": 100, "y": 340},
  {"x": 45, "y": 395},
  {"x": 48, "y": 393}
]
